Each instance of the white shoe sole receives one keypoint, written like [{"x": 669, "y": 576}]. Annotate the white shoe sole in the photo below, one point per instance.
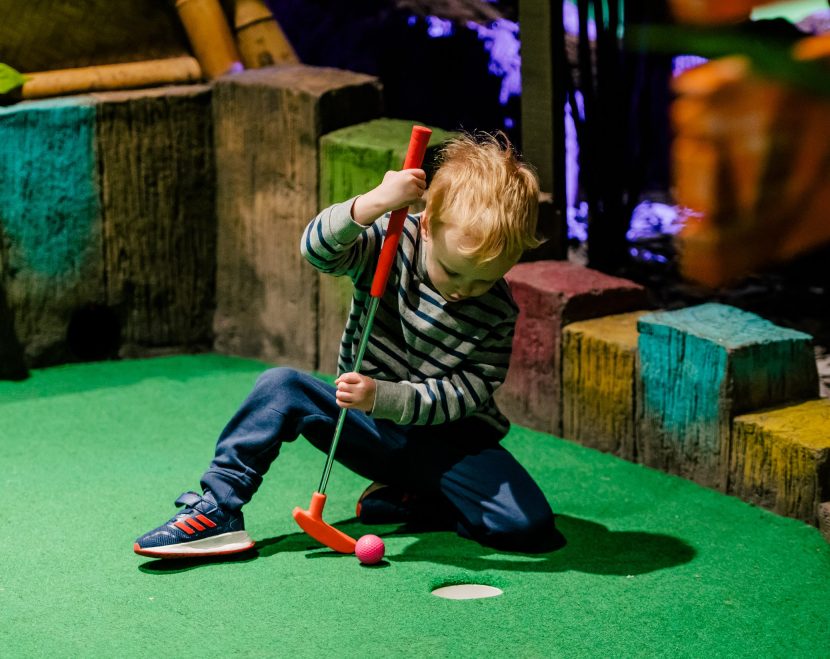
[{"x": 217, "y": 545}]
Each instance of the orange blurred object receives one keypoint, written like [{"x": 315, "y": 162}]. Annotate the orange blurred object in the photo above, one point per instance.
[{"x": 751, "y": 160}]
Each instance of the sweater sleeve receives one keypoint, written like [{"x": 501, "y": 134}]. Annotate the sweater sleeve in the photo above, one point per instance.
[
  {"x": 335, "y": 244},
  {"x": 462, "y": 392}
]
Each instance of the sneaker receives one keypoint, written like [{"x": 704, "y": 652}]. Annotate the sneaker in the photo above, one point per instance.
[
  {"x": 384, "y": 504},
  {"x": 201, "y": 529}
]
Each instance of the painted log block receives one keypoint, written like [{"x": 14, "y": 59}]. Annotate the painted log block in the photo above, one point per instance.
[
  {"x": 268, "y": 124},
  {"x": 702, "y": 366},
  {"x": 550, "y": 295},
  {"x": 599, "y": 372},
  {"x": 158, "y": 184},
  {"x": 780, "y": 459},
  {"x": 824, "y": 520},
  {"x": 352, "y": 161},
  {"x": 50, "y": 223}
]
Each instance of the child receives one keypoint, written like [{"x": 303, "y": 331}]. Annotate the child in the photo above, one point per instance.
[{"x": 424, "y": 421}]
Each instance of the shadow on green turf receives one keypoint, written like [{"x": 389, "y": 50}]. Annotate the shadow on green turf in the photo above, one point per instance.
[{"x": 591, "y": 548}]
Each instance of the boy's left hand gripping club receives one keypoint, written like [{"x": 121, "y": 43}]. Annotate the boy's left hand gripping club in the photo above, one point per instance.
[{"x": 311, "y": 520}]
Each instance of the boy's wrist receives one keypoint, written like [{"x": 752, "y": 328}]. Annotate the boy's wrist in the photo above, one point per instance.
[{"x": 366, "y": 209}]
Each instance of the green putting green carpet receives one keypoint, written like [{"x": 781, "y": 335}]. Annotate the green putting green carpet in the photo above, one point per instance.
[{"x": 93, "y": 455}]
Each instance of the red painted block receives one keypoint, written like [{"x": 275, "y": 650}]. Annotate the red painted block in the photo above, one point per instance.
[{"x": 551, "y": 294}]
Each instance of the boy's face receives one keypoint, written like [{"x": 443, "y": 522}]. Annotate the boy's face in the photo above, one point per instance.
[{"x": 457, "y": 276}]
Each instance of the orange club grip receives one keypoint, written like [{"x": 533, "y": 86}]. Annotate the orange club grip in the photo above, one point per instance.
[{"x": 414, "y": 159}]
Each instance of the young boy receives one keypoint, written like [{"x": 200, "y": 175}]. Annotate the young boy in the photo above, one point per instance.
[{"x": 424, "y": 422}]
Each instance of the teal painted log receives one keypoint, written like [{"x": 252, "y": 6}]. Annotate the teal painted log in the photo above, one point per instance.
[
  {"x": 107, "y": 215},
  {"x": 700, "y": 367},
  {"x": 268, "y": 123},
  {"x": 353, "y": 160},
  {"x": 50, "y": 221}
]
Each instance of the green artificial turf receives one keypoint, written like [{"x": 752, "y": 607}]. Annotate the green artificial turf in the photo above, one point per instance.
[{"x": 93, "y": 455}]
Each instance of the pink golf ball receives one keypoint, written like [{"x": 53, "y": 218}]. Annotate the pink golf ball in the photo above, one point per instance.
[{"x": 369, "y": 549}]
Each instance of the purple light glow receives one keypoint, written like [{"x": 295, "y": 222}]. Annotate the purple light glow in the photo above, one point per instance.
[
  {"x": 652, "y": 219},
  {"x": 438, "y": 28},
  {"x": 683, "y": 63},
  {"x": 570, "y": 18},
  {"x": 501, "y": 39}
]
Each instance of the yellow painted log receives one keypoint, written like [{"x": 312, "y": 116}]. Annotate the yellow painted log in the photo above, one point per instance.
[
  {"x": 599, "y": 368},
  {"x": 780, "y": 459}
]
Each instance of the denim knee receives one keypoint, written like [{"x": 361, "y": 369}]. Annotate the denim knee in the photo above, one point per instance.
[
  {"x": 523, "y": 532},
  {"x": 278, "y": 378}
]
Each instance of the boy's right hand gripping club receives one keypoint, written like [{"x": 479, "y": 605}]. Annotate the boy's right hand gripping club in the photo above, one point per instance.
[{"x": 311, "y": 520}]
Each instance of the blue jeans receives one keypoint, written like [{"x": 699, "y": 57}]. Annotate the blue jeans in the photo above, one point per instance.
[{"x": 491, "y": 497}]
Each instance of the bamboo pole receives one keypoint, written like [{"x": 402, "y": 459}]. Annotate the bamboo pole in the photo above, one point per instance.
[
  {"x": 210, "y": 37},
  {"x": 129, "y": 75},
  {"x": 259, "y": 36}
]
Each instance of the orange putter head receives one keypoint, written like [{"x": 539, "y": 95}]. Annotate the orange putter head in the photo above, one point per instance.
[{"x": 311, "y": 521}]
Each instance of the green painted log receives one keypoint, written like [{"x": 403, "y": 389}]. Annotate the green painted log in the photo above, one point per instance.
[
  {"x": 50, "y": 221},
  {"x": 702, "y": 366},
  {"x": 268, "y": 124},
  {"x": 780, "y": 459},
  {"x": 599, "y": 372},
  {"x": 158, "y": 190},
  {"x": 353, "y": 160}
]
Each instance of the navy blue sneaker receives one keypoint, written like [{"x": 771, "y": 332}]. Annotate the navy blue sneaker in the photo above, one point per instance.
[
  {"x": 383, "y": 504},
  {"x": 201, "y": 529},
  {"x": 387, "y": 504}
]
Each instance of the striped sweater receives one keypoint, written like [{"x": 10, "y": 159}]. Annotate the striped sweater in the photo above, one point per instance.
[{"x": 433, "y": 361}]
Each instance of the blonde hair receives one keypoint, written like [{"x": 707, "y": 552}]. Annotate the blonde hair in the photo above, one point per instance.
[{"x": 483, "y": 188}]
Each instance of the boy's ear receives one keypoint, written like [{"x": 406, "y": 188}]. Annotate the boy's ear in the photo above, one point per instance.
[{"x": 424, "y": 225}]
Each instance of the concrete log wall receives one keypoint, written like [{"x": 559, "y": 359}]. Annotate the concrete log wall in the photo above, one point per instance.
[
  {"x": 599, "y": 381},
  {"x": 50, "y": 222},
  {"x": 780, "y": 459},
  {"x": 700, "y": 367},
  {"x": 108, "y": 225},
  {"x": 550, "y": 295},
  {"x": 138, "y": 208},
  {"x": 157, "y": 178},
  {"x": 268, "y": 126}
]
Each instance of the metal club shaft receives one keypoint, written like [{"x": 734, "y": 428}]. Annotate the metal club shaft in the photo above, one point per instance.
[{"x": 341, "y": 419}]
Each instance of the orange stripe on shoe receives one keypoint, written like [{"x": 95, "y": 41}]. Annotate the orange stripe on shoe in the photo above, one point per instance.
[
  {"x": 184, "y": 527},
  {"x": 194, "y": 524},
  {"x": 205, "y": 520}
]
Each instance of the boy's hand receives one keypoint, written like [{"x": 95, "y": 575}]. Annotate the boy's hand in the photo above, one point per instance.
[
  {"x": 355, "y": 391},
  {"x": 397, "y": 190}
]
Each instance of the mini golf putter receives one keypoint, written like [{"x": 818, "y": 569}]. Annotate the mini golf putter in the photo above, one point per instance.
[{"x": 311, "y": 520}]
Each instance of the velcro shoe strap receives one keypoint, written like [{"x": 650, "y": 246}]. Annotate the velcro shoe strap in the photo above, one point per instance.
[{"x": 189, "y": 499}]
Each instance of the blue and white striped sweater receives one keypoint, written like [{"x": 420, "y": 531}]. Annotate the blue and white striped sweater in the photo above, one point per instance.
[{"x": 433, "y": 361}]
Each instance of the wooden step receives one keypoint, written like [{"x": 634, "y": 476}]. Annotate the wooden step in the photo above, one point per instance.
[
  {"x": 780, "y": 459},
  {"x": 599, "y": 373},
  {"x": 702, "y": 366}
]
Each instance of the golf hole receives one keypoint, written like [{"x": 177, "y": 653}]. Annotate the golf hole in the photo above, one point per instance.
[{"x": 467, "y": 591}]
